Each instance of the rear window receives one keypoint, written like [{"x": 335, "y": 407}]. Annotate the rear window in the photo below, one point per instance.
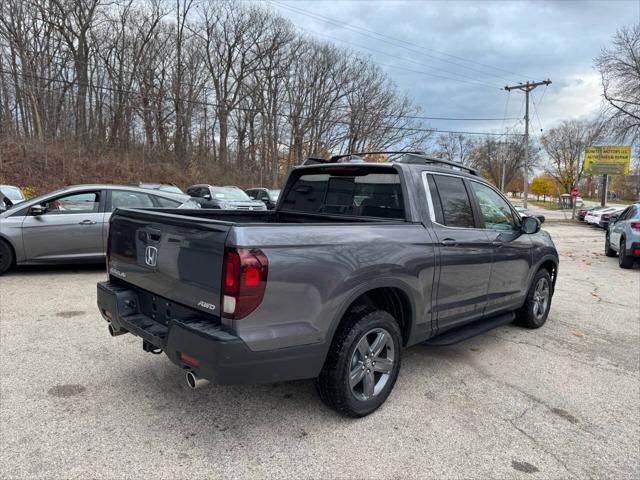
[
  {"x": 13, "y": 193},
  {"x": 348, "y": 191}
]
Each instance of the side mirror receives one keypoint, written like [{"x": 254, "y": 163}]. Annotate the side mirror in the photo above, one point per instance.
[
  {"x": 530, "y": 225},
  {"x": 614, "y": 218},
  {"x": 207, "y": 196},
  {"x": 252, "y": 197},
  {"x": 38, "y": 210}
]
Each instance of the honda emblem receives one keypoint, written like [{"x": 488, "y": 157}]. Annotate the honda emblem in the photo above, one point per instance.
[{"x": 151, "y": 256}]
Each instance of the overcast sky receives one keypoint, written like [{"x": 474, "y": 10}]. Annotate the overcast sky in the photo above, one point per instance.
[{"x": 479, "y": 47}]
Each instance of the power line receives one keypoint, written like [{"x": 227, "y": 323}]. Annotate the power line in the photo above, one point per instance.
[
  {"x": 247, "y": 109},
  {"x": 526, "y": 88},
  {"x": 394, "y": 41},
  {"x": 463, "y": 78}
]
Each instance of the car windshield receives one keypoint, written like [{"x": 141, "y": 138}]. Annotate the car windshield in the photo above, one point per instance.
[
  {"x": 274, "y": 194},
  {"x": 229, "y": 193},
  {"x": 169, "y": 188},
  {"x": 12, "y": 193}
]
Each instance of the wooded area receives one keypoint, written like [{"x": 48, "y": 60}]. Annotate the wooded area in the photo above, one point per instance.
[
  {"x": 221, "y": 87},
  {"x": 231, "y": 93}
]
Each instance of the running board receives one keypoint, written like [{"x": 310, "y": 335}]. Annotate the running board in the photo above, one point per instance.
[{"x": 470, "y": 330}]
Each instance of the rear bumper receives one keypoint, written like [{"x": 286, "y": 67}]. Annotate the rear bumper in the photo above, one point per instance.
[
  {"x": 223, "y": 358},
  {"x": 635, "y": 247}
]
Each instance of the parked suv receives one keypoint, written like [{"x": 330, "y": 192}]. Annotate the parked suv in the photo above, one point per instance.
[
  {"x": 265, "y": 195},
  {"x": 623, "y": 236},
  {"x": 224, "y": 198},
  {"x": 357, "y": 261}
]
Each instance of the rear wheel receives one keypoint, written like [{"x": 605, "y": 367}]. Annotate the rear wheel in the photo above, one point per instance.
[
  {"x": 362, "y": 364},
  {"x": 608, "y": 251},
  {"x": 624, "y": 260},
  {"x": 535, "y": 310},
  {"x": 6, "y": 257}
]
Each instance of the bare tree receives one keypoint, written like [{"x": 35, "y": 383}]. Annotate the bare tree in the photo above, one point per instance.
[
  {"x": 619, "y": 67},
  {"x": 455, "y": 147},
  {"x": 564, "y": 146}
]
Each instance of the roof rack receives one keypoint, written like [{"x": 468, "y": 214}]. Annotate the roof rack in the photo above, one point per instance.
[
  {"x": 337, "y": 158},
  {"x": 355, "y": 155},
  {"x": 421, "y": 158},
  {"x": 417, "y": 158}
]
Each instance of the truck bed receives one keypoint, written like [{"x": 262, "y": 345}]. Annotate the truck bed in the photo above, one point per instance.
[{"x": 245, "y": 218}]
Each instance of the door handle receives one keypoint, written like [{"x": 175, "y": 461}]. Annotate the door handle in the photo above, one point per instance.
[
  {"x": 87, "y": 222},
  {"x": 496, "y": 243},
  {"x": 448, "y": 242}
]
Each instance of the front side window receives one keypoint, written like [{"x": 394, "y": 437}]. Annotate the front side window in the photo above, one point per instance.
[
  {"x": 451, "y": 202},
  {"x": 85, "y": 202},
  {"x": 124, "y": 199},
  {"x": 494, "y": 209}
]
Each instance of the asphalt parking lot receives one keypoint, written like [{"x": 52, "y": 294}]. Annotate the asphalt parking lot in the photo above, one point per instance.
[{"x": 559, "y": 402}]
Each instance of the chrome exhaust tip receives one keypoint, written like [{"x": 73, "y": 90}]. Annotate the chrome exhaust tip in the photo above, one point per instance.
[
  {"x": 193, "y": 381},
  {"x": 115, "y": 333}
]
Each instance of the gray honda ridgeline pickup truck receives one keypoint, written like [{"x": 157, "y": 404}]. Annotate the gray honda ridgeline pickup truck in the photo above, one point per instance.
[{"x": 357, "y": 261}]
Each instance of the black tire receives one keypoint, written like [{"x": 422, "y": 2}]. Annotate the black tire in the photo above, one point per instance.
[
  {"x": 608, "y": 251},
  {"x": 530, "y": 315},
  {"x": 624, "y": 260},
  {"x": 333, "y": 384},
  {"x": 6, "y": 257}
]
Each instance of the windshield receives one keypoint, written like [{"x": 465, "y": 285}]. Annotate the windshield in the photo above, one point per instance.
[
  {"x": 229, "y": 193},
  {"x": 13, "y": 193},
  {"x": 274, "y": 194},
  {"x": 170, "y": 188}
]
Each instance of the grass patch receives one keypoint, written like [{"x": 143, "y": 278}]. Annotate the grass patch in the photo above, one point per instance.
[{"x": 547, "y": 205}]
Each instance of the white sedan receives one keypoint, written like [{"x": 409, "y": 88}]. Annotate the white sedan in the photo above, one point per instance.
[{"x": 593, "y": 216}]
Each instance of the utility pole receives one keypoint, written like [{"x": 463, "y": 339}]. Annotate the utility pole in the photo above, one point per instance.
[{"x": 526, "y": 88}]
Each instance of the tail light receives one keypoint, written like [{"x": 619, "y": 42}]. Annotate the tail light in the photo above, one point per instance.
[
  {"x": 244, "y": 281},
  {"x": 635, "y": 225}
]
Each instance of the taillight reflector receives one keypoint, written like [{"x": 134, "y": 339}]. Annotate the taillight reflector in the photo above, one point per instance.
[
  {"x": 636, "y": 251},
  {"x": 245, "y": 280},
  {"x": 189, "y": 360},
  {"x": 635, "y": 225}
]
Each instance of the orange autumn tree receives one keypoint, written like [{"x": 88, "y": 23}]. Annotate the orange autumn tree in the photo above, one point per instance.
[{"x": 543, "y": 185}]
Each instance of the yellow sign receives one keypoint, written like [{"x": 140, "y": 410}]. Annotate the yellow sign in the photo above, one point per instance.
[{"x": 608, "y": 159}]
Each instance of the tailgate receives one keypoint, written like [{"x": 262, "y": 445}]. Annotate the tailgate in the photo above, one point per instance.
[{"x": 174, "y": 256}]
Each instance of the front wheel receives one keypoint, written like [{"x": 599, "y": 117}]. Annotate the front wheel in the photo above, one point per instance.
[
  {"x": 608, "y": 251},
  {"x": 362, "y": 364},
  {"x": 6, "y": 257},
  {"x": 535, "y": 310}
]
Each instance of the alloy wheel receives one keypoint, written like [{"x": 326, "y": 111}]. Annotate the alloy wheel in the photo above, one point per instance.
[
  {"x": 371, "y": 364},
  {"x": 541, "y": 297}
]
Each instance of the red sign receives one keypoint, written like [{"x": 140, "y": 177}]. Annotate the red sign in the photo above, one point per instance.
[{"x": 574, "y": 192}]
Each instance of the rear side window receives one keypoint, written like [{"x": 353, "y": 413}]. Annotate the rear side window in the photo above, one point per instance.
[
  {"x": 166, "y": 203},
  {"x": 453, "y": 202},
  {"x": 353, "y": 191},
  {"x": 124, "y": 199}
]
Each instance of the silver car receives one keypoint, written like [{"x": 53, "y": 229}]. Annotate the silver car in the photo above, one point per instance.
[
  {"x": 10, "y": 195},
  {"x": 70, "y": 225},
  {"x": 623, "y": 236}
]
